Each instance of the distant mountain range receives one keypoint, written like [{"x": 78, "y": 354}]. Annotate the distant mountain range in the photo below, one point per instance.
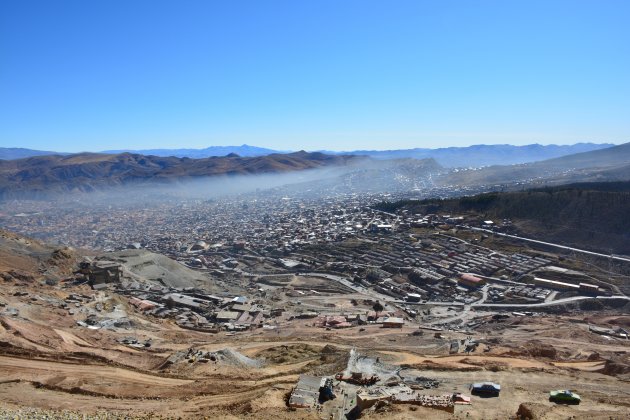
[
  {"x": 243, "y": 150},
  {"x": 610, "y": 164},
  {"x": 483, "y": 155},
  {"x": 42, "y": 175},
  {"x": 449, "y": 157},
  {"x": 10, "y": 153}
]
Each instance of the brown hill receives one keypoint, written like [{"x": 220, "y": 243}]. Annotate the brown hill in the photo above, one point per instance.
[
  {"x": 89, "y": 171},
  {"x": 25, "y": 259}
]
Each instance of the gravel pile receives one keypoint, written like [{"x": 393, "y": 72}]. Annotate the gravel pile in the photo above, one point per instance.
[{"x": 235, "y": 358}]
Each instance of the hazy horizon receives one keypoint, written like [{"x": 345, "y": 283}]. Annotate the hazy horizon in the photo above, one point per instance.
[{"x": 92, "y": 150}]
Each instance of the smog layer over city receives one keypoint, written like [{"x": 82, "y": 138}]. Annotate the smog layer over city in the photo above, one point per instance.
[{"x": 436, "y": 227}]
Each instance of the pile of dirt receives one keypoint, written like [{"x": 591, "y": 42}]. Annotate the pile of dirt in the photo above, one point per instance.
[
  {"x": 329, "y": 362},
  {"x": 492, "y": 366},
  {"x": 531, "y": 411},
  {"x": 322, "y": 361},
  {"x": 431, "y": 365},
  {"x": 613, "y": 368},
  {"x": 330, "y": 349},
  {"x": 291, "y": 353},
  {"x": 538, "y": 349},
  {"x": 272, "y": 399}
]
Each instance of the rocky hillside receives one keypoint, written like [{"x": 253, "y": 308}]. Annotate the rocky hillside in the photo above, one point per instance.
[
  {"x": 25, "y": 259},
  {"x": 587, "y": 215}
]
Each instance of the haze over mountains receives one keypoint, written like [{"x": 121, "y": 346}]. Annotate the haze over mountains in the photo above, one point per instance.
[
  {"x": 483, "y": 155},
  {"x": 90, "y": 171},
  {"x": 243, "y": 150},
  {"x": 610, "y": 164},
  {"x": 42, "y": 175},
  {"x": 450, "y": 157},
  {"x": 10, "y": 153}
]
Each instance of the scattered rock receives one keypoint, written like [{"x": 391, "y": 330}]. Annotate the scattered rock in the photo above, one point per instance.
[{"x": 613, "y": 368}]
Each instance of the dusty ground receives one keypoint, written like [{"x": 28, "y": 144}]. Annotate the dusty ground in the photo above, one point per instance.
[
  {"x": 50, "y": 367},
  {"x": 77, "y": 369}
]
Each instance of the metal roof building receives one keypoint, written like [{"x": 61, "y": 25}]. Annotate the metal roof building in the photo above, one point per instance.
[{"x": 306, "y": 392}]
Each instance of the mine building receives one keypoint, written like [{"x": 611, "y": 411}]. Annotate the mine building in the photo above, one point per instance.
[
  {"x": 393, "y": 322},
  {"x": 310, "y": 390},
  {"x": 414, "y": 297},
  {"x": 101, "y": 272},
  {"x": 470, "y": 280},
  {"x": 227, "y": 316}
]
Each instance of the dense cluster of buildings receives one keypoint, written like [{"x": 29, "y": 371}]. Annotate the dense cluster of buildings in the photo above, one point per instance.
[{"x": 406, "y": 256}]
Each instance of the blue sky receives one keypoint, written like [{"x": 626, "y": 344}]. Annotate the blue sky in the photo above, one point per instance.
[{"x": 312, "y": 74}]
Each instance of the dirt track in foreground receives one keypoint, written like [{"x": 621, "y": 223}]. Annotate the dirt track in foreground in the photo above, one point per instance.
[{"x": 49, "y": 385}]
